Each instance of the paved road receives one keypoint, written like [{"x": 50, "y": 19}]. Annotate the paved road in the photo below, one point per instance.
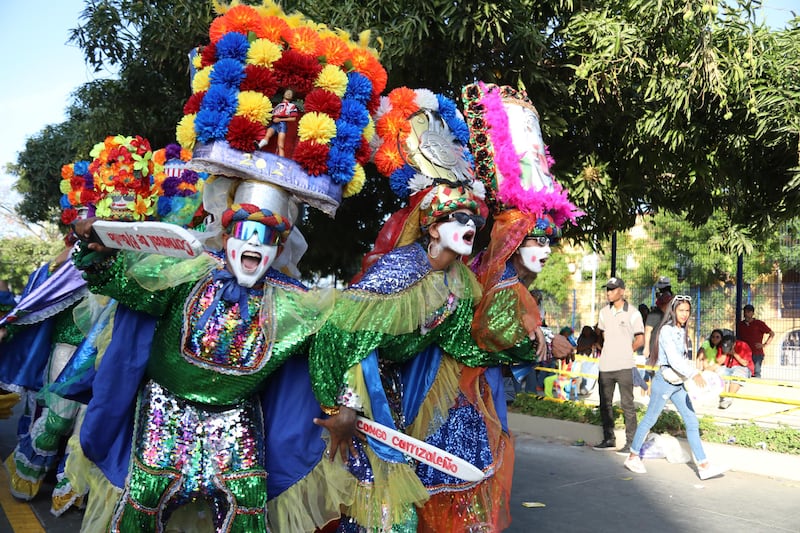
[
  {"x": 583, "y": 491},
  {"x": 588, "y": 491}
]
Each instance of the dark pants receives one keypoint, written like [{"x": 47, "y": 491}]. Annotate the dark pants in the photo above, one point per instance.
[
  {"x": 607, "y": 381},
  {"x": 757, "y": 360}
]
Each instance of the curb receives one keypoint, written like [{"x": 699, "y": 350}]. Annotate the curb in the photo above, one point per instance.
[{"x": 739, "y": 459}]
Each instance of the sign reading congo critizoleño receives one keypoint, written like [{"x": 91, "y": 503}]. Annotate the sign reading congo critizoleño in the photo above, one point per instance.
[{"x": 148, "y": 237}]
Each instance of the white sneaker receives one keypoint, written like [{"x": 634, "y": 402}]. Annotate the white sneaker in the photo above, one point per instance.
[
  {"x": 711, "y": 470},
  {"x": 634, "y": 464}
]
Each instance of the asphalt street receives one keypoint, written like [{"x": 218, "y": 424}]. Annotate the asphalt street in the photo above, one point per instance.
[{"x": 581, "y": 490}]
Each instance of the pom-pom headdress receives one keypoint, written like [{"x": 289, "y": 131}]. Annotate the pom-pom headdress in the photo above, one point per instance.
[
  {"x": 177, "y": 187},
  {"x": 421, "y": 146},
  {"x": 254, "y": 54}
]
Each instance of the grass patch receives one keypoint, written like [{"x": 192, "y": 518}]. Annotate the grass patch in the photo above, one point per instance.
[{"x": 782, "y": 439}]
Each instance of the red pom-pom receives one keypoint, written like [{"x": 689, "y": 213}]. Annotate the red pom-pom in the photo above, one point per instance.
[
  {"x": 363, "y": 153},
  {"x": 297, "y": 71},
  {"x": 208, "y": 55},
  {"x": 312, "y": 157},
  {"x": 322, "y": 101},
  {"x": 374, "y": 103},
  {"x": 193, "y": 103},
  {"x": 244, "y": 133},
  {"x": 260, "y": 79},
  {"x": 68, "y": 216}
]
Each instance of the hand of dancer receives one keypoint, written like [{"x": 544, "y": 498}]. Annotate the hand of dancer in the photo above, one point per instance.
[{"x": 342, "y": 429}]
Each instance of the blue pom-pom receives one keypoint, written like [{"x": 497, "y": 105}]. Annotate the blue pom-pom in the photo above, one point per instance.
[
  {"x": 447, "y": 108},
  {"x": 63, "y": 202},
  {"x": 211, "y": 125},
  {"x": 233, "y": 45},
  {"x": 81, "y": 168},
  {"x": 359, "y": 87},
  {"x": 220, "y": 99},
  {"x": 460, "y": 130},
  {"x": 164, "y": 206},
  {"x": 341, "y": 165},
  {"x": 399, "y": 179},
  {"x": 348, "y": 136},
  {"x": 355, "y": 113},
  {"x": 227, "y": 72}
]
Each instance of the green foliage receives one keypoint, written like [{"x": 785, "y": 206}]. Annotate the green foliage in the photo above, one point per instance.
[
  {"x": 782, "y": 439},
  {"x": 19, "y": 256}
]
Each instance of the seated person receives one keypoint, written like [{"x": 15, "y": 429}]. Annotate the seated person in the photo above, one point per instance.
[{"x": 735, "y": 359}]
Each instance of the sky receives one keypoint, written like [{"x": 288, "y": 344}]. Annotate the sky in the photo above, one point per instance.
[{"x": 40, "y": 69}]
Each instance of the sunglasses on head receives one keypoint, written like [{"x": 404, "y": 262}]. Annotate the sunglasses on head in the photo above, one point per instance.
[
  {"x": 464, "y": 218},
  {"x": 682, "y": 298},
  {"x": 245, "y": 229}
]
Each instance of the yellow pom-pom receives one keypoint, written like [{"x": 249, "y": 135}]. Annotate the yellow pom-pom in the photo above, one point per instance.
[
  {"x": 356, "y": 184},
  {"x": 317, "y": 127},
  {"x": 369, "y": 130},
  {"x": 201, "y": 80},
  {"x": 263, "y": 53},
  {"x": 254, "y": 106},
  {"x": 197, "y": 61},
  {"x": 184, "y": 133},
  {"x": 333, "y": 79}
]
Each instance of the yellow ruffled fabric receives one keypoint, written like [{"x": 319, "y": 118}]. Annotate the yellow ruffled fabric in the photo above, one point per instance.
[
  {"x": 157, "y": 272},
  {"x": 315, "y": 501},
  {"x": 102, "y": 495},
  {"x": 396, "y": 486},
  {"x": 440, "y": 398}
]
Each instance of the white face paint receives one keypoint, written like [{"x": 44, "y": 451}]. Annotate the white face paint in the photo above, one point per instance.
[
  {"x": 458, "y": 237},
  {"x": 249, "y": 260},
  {"x": 534, "y": 255}
]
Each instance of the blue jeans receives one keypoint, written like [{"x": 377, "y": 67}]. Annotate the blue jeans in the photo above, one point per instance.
[
  {"x": 660, "y": 393},
  {"x": 757, "y": 360}
]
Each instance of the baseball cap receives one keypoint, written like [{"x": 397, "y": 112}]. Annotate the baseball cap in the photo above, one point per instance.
[
  {"x": 615, "y": 283},
  {"x": 663, "y": 282},
  {"x": 748, "y": 307}
]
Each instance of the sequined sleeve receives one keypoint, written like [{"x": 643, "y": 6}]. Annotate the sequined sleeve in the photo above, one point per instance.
[{"x": 109, "y": 277}]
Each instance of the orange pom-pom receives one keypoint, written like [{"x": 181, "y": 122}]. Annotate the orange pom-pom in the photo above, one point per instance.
[
  {"x": 404, "y": 101},
  {"x": 218, "y": 28},
  {"x": 305, "y": 40},
  {"x": 388, "y": 159},
  {"x": 335, "y": 50},
  {"x": 273, "y": 28}
]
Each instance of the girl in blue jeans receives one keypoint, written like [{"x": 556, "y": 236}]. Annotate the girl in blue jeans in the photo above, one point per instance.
[{"x": 672, "y": 355}]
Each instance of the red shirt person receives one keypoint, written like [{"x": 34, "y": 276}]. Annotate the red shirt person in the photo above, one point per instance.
[
  {"x": 752, "y": 331},
  {"x": 736, "y": 361}
]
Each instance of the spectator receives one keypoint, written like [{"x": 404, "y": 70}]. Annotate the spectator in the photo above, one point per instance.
[
  {"x": 621, "y": 328},
  {"x": 663, "y": 286},
  {"x": 670, "y": 352},
  {"x": 708, "y": 351},
  {"x": 644, "y": 311},
  {"x": 736, "y": 360},
  {"x": 752, "y": 331},
  {"x": 588, "y": 345}
]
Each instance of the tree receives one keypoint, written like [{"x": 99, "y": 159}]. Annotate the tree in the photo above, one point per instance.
[{"x": 683, "y": 106}]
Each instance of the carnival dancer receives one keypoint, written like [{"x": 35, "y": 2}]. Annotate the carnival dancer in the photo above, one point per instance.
[
  {"x": 229, "y": 324},
  {"x": 528, "y": 210},
  {"x": 398, "y": 347}
]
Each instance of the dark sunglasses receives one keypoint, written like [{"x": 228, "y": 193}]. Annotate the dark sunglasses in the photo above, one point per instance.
[
  {"x": 245, "y": 229},
  {"x": 464, "y": 218},
  {"x": 543, "y": 241}
]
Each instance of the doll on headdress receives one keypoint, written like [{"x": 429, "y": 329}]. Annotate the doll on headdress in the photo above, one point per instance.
[{"x": 398, "y": 347}]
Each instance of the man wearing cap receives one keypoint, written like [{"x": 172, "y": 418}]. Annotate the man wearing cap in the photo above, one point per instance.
[
  {"x": 663, "y": 286},
  {"x": 752, "y": 331},
  {"x": 622, "y": 332}
]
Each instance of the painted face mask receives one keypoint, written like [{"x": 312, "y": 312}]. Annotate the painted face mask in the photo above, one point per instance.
[
  {"x": 457, "y": 232},
  {"x": 534, "y": 253},
  {"x": 251, "y": 249}
]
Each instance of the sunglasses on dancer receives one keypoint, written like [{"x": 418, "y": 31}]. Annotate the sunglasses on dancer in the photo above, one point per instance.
[
  {"x": 245, "y": 229},
  {"x": 464, "y": 218},
  {"x": 543, "y": 241}
]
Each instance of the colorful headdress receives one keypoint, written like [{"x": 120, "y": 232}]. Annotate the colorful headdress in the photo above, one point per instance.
[
  {"x": 254, "y": 54},
  {"x": 262, "y": 202},
  {"x": 178, "y": 188},
  {"x": 78, "y": 192},
  {"x": 511, "y": 158},
  {"x": 122, "y": 170},
  {"x": 421, "y": 146}
]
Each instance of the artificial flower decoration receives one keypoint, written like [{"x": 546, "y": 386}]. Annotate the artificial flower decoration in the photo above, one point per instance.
[
  {"x": 122, "y": 171},
  {"x": 178, "y": 189},
  {"x": 421, "y": 137},
  {"x": 79, "y": 194},
  {"x": 254, "y": 55}
]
